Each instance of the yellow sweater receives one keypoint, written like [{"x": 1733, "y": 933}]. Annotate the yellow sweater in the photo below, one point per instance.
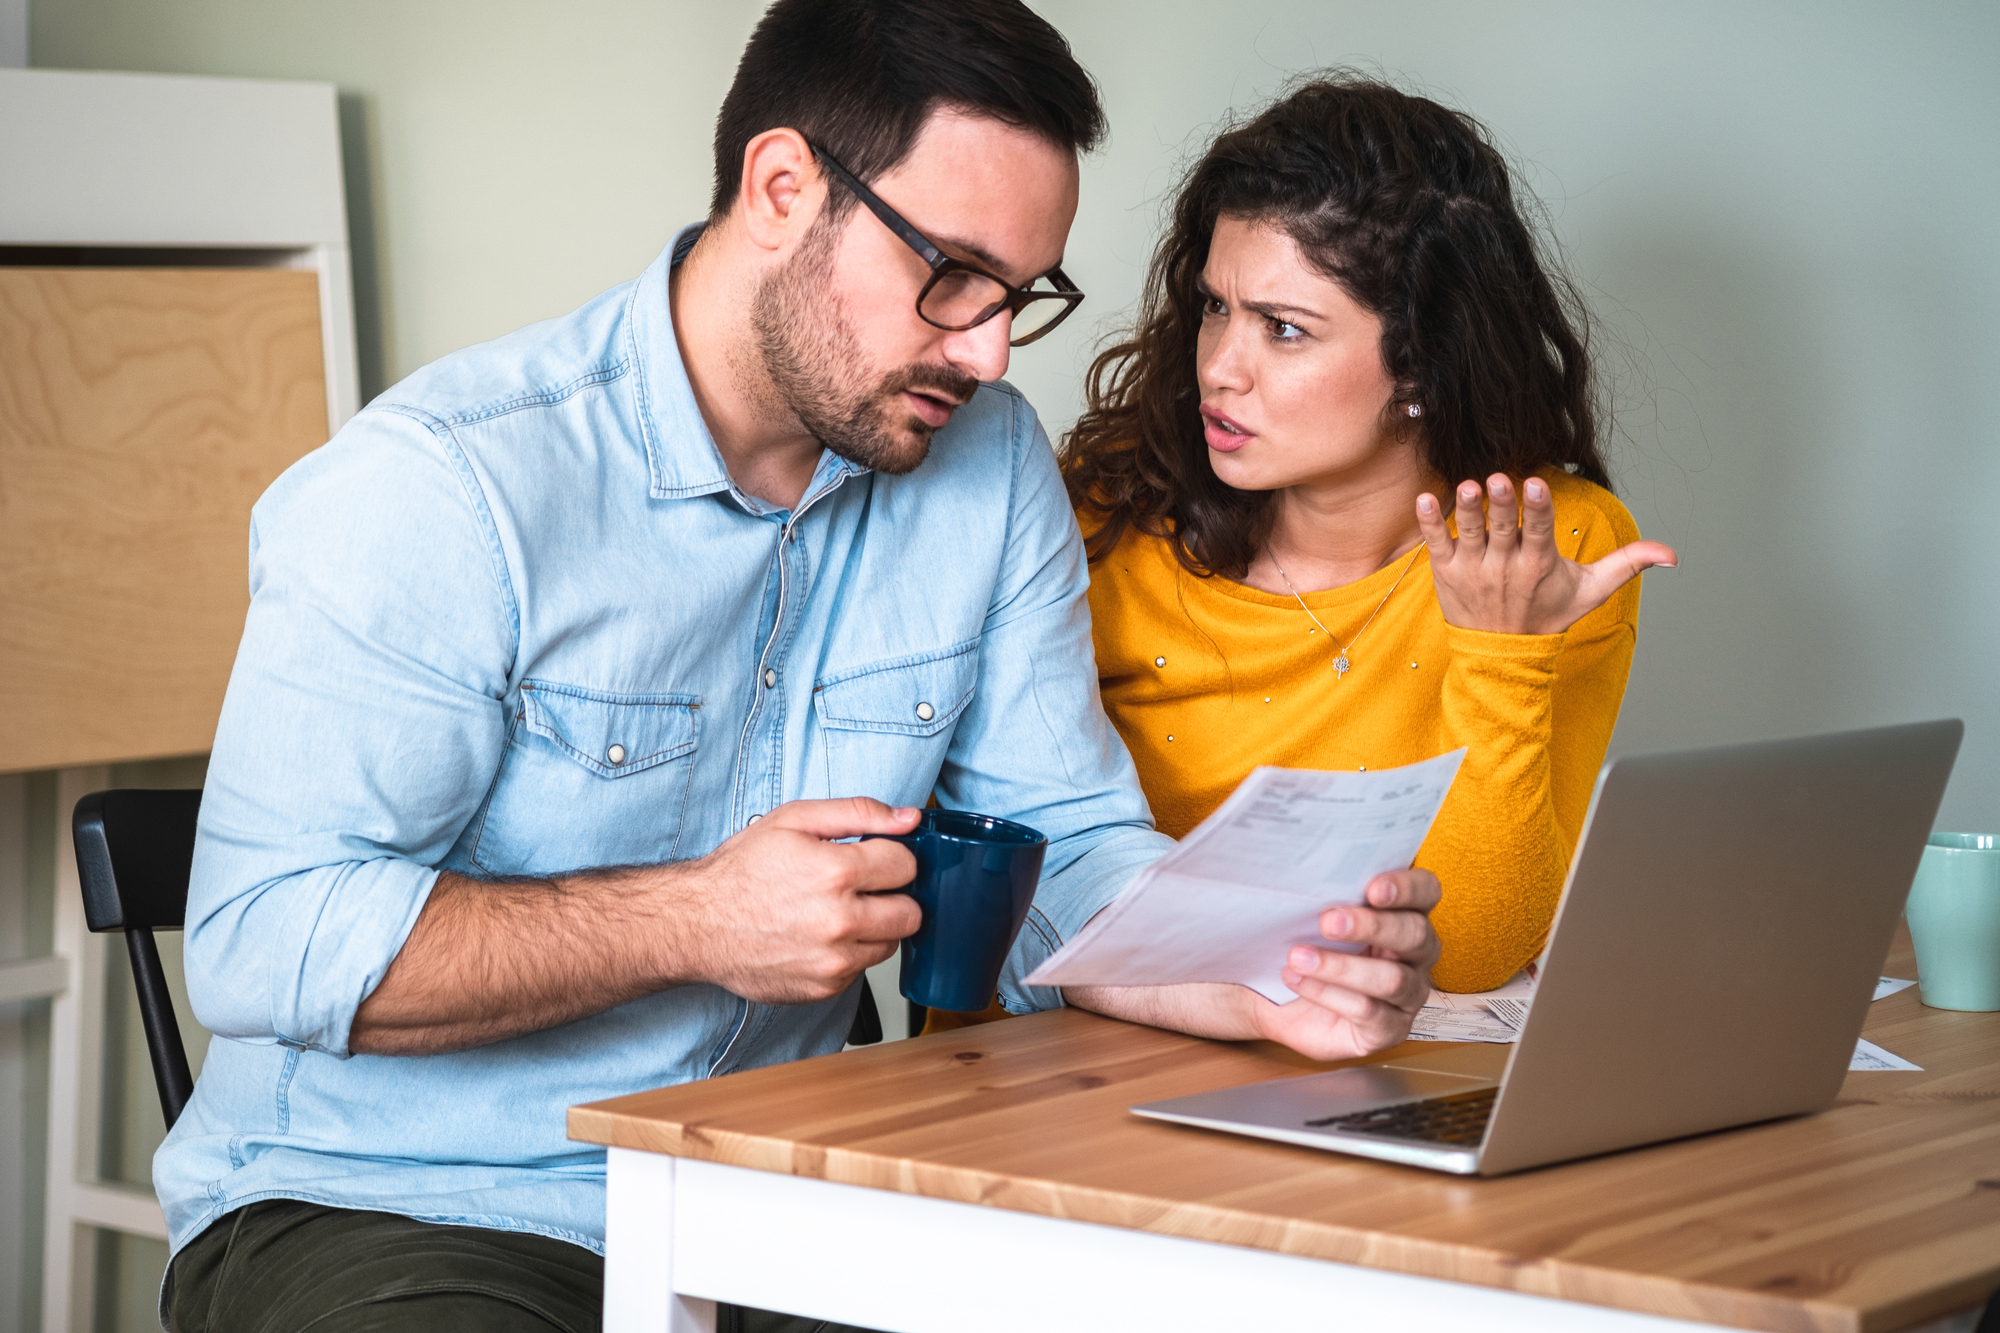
[{"x": 1247, "y": 680}]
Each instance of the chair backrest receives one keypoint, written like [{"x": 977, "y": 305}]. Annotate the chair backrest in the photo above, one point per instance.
[{"x": 134, "y": 852}]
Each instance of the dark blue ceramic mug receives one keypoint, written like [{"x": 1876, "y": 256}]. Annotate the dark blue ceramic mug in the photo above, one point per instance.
[{"x": 976, "y": 878}]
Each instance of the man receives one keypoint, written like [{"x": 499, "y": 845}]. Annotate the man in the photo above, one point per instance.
[{"x": 744, "y": 558}]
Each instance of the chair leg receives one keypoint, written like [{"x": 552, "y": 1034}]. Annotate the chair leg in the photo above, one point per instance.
[
  {"x": 866, "y": 1029},
  {"x": 163, "y": 1034}
]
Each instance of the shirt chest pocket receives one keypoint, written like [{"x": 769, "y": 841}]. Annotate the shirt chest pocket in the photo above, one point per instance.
[
  {"x": 612, "y": 735},
  {"x": 887, "y": 725},
  {"x": 591, "y": 778}
]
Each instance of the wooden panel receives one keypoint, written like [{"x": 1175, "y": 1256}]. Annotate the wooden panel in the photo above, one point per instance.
[
  {"x": 142, "y": 412},
  {"x": 1876, "y": 1215}
]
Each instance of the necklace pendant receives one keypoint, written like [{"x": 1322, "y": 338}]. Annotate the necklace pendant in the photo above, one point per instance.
[{"x": 1341, "y": 666}]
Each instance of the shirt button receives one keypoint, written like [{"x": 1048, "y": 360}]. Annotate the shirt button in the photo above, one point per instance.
[
  {"x": 770, "y": 677},
  {"x": 925, "y": 712},
  {"x": 753, "y": 819},
  {"x": 616, "y": 754}
]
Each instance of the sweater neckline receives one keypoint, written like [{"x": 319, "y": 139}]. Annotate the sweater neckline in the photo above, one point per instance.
[{"x": 1370, "y": 586}]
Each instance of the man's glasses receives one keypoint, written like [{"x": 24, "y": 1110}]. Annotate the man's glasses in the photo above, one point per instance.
[{"x": 962, "y": 296}]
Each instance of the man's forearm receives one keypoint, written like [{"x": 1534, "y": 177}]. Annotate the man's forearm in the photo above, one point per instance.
[
  {"x": 490, "y": 960},
  {"x": 784, "y": 912},
  {"x": 1200, "y": 1009}
]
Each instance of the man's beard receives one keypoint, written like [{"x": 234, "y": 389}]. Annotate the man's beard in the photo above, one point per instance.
[{"x": 815, "y": 364}]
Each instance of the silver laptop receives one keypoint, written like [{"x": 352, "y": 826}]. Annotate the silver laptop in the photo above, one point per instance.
[{"x": 1714, "y": 954}]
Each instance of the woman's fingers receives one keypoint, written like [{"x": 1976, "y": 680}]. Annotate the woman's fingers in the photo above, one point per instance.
[
  {"x": 1597, "y": 582},
  {"x": 1538, "y": 515},
  {"x": 1437, "y": 536},
  {"x": 1505, "y": 574},
  {"x": 1500, "y": 513},
  {"x": 1471, "y": 516}
]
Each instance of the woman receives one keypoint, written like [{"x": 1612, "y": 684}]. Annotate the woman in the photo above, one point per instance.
[{"x": 1348, "y": 315}]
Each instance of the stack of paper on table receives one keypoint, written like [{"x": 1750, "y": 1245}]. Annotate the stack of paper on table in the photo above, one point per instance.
[
  {"x": 1495, "y": 1015},
  {"x": 1498, "y": 1015}
]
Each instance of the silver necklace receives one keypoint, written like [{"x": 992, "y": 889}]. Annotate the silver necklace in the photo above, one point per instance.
[{"x": 1341, "y": 666}]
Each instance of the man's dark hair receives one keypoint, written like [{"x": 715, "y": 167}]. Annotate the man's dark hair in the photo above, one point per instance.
[{"x": 860, "y": 77}]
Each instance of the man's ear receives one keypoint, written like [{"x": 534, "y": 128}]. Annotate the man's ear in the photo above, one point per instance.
[{"x": 782, "y": 190}]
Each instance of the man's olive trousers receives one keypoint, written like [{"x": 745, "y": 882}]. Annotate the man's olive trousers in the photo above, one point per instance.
[{"x": 282, "y": 1266}]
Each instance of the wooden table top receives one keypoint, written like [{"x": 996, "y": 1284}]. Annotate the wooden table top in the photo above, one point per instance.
[{"x": 1878, "y": 1214}]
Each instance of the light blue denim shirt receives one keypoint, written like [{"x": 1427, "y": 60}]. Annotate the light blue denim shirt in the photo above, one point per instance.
[{"x": 516, "y": 619}]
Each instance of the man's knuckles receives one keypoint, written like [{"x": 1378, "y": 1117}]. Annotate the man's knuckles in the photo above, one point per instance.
[
  {"x": 890, "y": 916},
  {"x": 1404, "y": 939},
  {"x": 881, "y": 864},
  {"x": 829, "y": 973},
  {"x": 1361, "y": 973},
  {"x": 867, "y": 813},
  {"x": 1385, "y": 927}
]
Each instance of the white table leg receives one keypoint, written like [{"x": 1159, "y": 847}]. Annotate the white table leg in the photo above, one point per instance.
[{"x": 639, "y": 1294}]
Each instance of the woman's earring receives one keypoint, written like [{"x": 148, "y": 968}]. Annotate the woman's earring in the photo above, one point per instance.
[{"x": 1416, "y": 409}]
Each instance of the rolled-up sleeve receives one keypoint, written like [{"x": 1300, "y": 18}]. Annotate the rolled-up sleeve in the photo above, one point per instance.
[
  {"x": 1035, "y": 741},
  {"x": 363, "y": 725}
]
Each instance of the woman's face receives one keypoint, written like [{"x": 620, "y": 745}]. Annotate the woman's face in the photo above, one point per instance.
[{"x": 1293, "y": 390}]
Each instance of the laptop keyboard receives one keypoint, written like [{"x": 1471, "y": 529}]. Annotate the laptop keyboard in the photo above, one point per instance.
[{"x": 1459, "y": 1119}]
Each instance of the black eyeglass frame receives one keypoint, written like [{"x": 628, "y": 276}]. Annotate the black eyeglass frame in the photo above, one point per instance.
[{"x": 942, "y": 264}]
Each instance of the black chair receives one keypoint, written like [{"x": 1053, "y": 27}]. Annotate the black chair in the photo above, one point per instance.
[{"x": 134, "y": 850}]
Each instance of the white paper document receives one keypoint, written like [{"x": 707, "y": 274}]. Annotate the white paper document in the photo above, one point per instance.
[
  {"x": 1887, "y": 986},
  {"x": 1867, "y": 1055},
  {"x": 1253, "y": 878},
  {"x": 1440, "y": 1024}
]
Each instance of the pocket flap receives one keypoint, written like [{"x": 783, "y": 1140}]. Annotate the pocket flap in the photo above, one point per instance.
[
  {"x": 910, "y": 696},
  {"x": 611, "y": 734}
]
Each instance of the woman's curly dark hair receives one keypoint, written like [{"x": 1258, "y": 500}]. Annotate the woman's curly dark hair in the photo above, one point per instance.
[{"x": 1412, "y": 210}]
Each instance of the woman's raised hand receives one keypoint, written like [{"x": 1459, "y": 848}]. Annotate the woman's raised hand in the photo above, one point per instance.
[{"x": 1508, "y": 577}]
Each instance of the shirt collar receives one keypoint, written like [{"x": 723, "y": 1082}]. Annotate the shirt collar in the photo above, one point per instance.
[{"x": 681, "y": 457}]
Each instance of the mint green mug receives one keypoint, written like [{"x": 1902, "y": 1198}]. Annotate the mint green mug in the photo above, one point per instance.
[{"x": 1954, "y": 916}]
